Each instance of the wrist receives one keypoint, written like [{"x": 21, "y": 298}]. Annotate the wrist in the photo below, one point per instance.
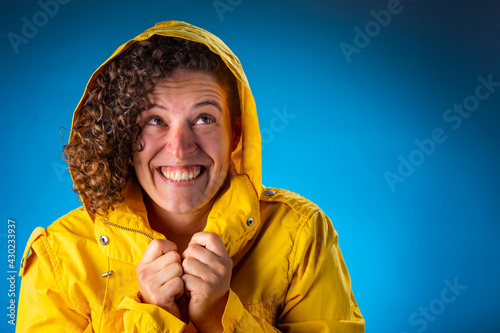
[{"x": 213, "y": 321}]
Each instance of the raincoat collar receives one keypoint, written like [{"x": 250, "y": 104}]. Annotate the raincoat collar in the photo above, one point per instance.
[{"x": 125, "y": 234}]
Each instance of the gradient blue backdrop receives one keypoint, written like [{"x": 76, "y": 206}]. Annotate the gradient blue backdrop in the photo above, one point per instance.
[{"x": 354, "y": 119}]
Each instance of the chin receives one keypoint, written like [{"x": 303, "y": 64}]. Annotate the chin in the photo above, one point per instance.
[{"x": 182, "y": 207}]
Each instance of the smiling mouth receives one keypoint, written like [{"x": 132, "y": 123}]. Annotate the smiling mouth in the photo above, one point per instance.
[{"x": 182, "y": 174}]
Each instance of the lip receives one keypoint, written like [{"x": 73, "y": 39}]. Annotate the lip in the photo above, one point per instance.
[{"x": 181, "y": 169}]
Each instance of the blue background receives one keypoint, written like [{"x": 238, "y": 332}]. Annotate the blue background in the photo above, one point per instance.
[{"x": 354, "y": 119}]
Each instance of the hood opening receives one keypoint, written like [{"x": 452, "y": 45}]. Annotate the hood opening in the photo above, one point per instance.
[{"x": 246, "y": 158}]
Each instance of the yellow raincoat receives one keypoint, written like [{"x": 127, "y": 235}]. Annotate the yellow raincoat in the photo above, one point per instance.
[{"x": 79, "y": 275}]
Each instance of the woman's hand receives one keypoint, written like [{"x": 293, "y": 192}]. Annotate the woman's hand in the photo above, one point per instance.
[
  {"x": 207, "y": 276},
  {"x": 159, "y": 275}
]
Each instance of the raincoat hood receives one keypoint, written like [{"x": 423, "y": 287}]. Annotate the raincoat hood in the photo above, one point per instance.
[{"x": 247, "y": 156}]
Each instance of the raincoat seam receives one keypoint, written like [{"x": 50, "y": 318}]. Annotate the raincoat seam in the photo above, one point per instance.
[
  {"x": 271, "y": 303},
  {"x": 156, "y": 328},
  {"x": 265, "y": 305},
  {"x": 283, "y": 196},
  {"x": 238, "y": 324},
  {"x": 105, "y": 296},
  {"x": 295, "y": 246},
  {"x": 57, "y": 269}
]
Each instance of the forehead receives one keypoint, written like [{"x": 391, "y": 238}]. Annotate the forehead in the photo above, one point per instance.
[
  {"x": 188, "y": 89},
  {"x": 189, "y": 81}
]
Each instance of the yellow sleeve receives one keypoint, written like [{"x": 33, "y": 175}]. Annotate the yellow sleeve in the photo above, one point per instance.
[
  {"x": 142, "y": 317},
  {"x": 237, "y": 319},
  {"x": 319, "y": 297},
  {"x": 42, "y": 304}
]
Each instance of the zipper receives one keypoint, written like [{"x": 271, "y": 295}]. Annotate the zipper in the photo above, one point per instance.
[{"x": 126, "y": 229}]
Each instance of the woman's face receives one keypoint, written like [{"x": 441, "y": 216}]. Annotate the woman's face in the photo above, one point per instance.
[{"x": 186, "y": 143}]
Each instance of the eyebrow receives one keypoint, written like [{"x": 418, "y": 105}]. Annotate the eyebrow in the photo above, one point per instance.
[
  {"x": 214, "y": 103},
  {"x": 157, "y": 106},
  {"x": 217, "y": 105}
]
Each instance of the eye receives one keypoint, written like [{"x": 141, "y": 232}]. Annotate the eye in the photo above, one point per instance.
[
  {"x": 155, "y": 121},
  {"x": 205, "y": 119}
]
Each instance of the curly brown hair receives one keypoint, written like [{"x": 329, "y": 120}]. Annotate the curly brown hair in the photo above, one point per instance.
[{"x": 100, "y": 150}]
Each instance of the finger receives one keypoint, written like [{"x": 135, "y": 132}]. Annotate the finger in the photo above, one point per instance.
[
  {"x": 167, "y": 293},
  {"x": 148, "y": 271},
  {"x": 162, "y": 269},
  {"x": 165, "y": 260},
  {"x": 200, "y": 253},
  {"x": 192, "y": 284},
  {"x": 169, "y": 272},
  {"x": 156, "y": 249},
  {"x": 174, "y": 287},
  {"x": 210, "y": 241},
  {"x": 150, "y": 281},
  {"x": 158, "y": 286},
  {"x": 197, "y": 268}
]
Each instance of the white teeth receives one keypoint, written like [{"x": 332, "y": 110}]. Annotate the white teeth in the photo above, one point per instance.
[{"x": 178, "y": 176}]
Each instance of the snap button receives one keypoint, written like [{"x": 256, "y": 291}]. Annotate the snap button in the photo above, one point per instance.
[
  {"x": 104, "y": 240},
  {"x": 107, "y": 274},
  {"x": 250, "y": 222},
  {"x": 269, "y": 192}
]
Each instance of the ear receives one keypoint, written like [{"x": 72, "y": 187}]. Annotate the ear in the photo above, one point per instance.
[{"x": 236, "y": 133}]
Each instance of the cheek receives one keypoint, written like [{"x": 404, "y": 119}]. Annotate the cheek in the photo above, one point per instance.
[
  {"x": 137, "y": 160},
  {"x": 142, "y": 157},
  {"x": 136, "y": 146},
  {"x": 142, "y": 139},
  {"x": 139, "y": 165},
  {"x": 144, "y": 146},
  {"x": 138, "y": 150},
  {"x": 220, "y": 151}
]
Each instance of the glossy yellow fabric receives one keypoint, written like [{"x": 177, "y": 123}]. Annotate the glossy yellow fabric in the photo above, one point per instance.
[{"x": 288, "y": 272}]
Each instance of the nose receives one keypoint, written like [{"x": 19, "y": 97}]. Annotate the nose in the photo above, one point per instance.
[{"x": 180, "y": 141}]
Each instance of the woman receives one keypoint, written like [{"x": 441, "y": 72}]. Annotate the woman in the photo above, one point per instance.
[{"x": 177, "y": 232}]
